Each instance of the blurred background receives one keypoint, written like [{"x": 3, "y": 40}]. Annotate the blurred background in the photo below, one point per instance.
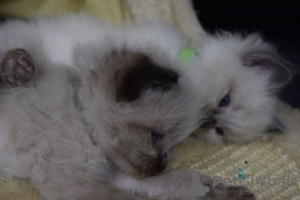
[{"x": 277, "y": 21}]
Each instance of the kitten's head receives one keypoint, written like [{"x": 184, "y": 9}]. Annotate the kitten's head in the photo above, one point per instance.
[
  {"x": 242, "y": 76},
  {"x": 139, "y": 103}
]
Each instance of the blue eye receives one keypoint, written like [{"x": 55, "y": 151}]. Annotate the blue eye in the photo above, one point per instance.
[
  {"x": 224, "y": 101},
  {"x": 154, "y": 136}
]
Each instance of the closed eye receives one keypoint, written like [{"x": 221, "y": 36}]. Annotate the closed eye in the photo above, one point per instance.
[
  {"x": 155, "y": 137},
  {"x": 224, "y": 101}
]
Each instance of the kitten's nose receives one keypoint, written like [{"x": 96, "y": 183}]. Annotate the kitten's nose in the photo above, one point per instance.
[
  {"x": 162, "y": 162},
  {"x": 209, "y": 122}
]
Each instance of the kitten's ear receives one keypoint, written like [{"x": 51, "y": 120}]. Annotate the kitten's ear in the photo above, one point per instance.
[
  {"x": 281, "y": 70},
  {"x": 276, "y": 127},
  {"x": 123, "y": 73},
  {"x": 140, "y": 75}
]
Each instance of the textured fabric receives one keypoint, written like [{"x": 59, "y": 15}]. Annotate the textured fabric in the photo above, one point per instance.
[
  {"x": 265, "y": 160},
  {"x": 17, "y": 190}
]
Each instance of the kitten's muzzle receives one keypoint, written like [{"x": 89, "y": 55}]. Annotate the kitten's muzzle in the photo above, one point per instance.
[
  {"x": 209, "y": 122},
  {"x": 151, "y": 166}
]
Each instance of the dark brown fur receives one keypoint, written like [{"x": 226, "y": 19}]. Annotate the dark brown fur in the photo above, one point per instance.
[{"x": 140, "y": 73}]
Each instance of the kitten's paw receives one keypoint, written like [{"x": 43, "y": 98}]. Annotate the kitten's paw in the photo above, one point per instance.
[
  {"x": 230, "y": 192},
  {"x": 190, "y": 185},
  {"x": 16, "y": 68}
]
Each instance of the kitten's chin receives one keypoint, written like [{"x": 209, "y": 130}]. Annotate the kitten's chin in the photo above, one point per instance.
[{"x": 139, "y": 172}]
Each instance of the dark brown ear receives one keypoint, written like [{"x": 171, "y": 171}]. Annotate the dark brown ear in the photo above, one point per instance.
[
  {"x": 142, "y": 74},
  {"x": 281, "y": 70}
]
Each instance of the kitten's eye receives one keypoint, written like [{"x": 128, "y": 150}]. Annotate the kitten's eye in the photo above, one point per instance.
[
  {"x": 154, "y": 136},
  {"x": 224, "y": 101},
  {"x": 219, "y": 131}
]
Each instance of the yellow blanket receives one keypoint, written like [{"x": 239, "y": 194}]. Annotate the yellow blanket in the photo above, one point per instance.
[
  {"x": 113, "y": 10},
  {"x": 274, "y": 158}
]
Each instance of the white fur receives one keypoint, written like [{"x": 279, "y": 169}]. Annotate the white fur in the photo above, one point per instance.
[
  {"x": 219, "y": 70},
  {"x": 58, "y": 36}
]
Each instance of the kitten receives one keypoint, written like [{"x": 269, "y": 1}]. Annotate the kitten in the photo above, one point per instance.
[
  {"x": 242, "y": 77},
  {"x": 103, "y": 129}
]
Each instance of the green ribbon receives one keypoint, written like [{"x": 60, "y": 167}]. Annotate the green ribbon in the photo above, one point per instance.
[{"x": 186, "y": 55}]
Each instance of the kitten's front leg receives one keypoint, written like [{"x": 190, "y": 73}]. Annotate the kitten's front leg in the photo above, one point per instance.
[
  {"x": 16, "y": 68},
  {"x": 190, "y": 185},
  {"x": 61, "y": 187},
  {"x": 96, "y": 191},
  {"x": 183, "y": 185}
]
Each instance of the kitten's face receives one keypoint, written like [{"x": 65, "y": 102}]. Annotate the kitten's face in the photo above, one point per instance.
[
  {"x": 145, "y": 131},
  {"x": 241, "y": 77},
  {"x": 142, "y": 107}
]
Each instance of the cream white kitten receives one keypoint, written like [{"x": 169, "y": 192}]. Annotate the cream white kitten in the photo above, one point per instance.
[
  {"x": 101, "y": 130},
  {"x": 241, "y": 76}
]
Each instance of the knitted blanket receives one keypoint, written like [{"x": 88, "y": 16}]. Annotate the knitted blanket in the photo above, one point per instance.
[{"x": 269, "y": 166}]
